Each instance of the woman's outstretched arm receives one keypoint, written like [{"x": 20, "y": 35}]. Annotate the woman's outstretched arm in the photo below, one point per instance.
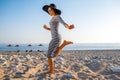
[{"x": 65, "y": 24}]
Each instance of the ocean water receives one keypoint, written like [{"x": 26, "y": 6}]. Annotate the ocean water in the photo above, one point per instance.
[{"x": 80, "y": 46}]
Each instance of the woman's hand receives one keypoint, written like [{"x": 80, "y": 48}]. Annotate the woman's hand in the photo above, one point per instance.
[
  {"x": 46, "y": 27},
  {"x": 70, "y": 26}
]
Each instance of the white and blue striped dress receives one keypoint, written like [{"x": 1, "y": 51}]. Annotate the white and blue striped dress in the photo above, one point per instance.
[{"x": 56, "y": 37}]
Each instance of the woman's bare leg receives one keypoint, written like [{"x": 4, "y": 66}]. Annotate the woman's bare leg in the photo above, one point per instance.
[
  {"x": 51, "y": 66},
  {"x": 50, "y": 60},
  {"x": 62, "y": 46}
]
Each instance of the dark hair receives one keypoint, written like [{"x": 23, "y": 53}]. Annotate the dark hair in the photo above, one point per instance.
[
  {"x": 52, "y": 6},
  {"x": 57, "y": 12}
]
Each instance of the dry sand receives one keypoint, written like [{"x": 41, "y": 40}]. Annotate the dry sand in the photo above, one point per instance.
[{"x": 69, "y": 65}]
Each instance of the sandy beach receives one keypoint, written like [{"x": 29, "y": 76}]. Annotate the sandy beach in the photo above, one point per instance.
[{"x": 69, "y": 65}]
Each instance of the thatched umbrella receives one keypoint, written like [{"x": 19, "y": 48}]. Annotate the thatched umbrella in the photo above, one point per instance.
[
  {"x": 9, "y": 45},
  {"x": 40, "y": 45},
  {"x": 29, "y": 45},
  {"x": 16, "y": 45}
]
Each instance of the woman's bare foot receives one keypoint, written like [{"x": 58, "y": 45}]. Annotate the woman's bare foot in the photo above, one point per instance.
[
  {"x": 49, "y": 72},
  {"x": 67, "y": 42}
]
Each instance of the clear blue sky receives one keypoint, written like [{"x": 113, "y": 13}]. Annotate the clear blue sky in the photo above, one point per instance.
[{"x": 96, "y": 21}]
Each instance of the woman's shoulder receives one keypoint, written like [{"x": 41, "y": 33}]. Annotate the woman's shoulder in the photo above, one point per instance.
[{"x": 58, "y": 16}]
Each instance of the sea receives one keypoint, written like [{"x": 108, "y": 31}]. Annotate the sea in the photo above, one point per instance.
[{"x": 44, "y": 47}]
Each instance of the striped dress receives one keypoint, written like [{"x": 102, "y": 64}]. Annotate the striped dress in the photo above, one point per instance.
[{"x": 56, "y": 37}]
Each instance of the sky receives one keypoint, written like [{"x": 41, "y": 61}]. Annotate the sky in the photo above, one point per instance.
[{"x": 96, "y": 21}]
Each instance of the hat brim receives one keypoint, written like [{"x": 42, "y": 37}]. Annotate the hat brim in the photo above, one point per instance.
[{"x": 45, "y": 8}]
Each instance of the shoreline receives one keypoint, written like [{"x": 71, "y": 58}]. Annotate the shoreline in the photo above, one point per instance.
[{"x": 70, "y": 51}]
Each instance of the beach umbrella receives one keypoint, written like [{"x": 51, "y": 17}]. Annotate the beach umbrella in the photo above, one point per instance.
[{"x": 9, "y": 45}]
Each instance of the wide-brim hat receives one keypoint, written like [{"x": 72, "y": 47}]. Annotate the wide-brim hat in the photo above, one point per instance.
[{"x": 53, "y": 6}]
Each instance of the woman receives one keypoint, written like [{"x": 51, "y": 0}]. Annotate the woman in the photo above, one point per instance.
[{"x": 54, "y": 49}]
